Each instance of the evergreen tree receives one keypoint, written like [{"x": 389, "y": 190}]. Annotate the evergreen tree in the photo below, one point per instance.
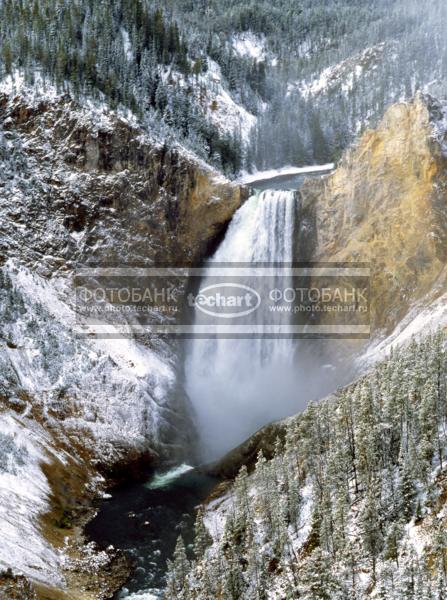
[
  {"x": 177, "y": 573},
  {"x": 202, "y": 538}
]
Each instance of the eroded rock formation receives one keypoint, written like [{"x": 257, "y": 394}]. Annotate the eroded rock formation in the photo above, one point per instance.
[
  {"x": 386, "y": 204},
  {"x": 92, "y": 187}
]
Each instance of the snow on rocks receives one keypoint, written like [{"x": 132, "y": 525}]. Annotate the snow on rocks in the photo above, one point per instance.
[
  {"x": 423, "y": 318},
  {"x": 222, "y": 110},
  {"x": 24, "y": 497},
  {"x": 216, "y": 514},
  {"x": 126, "y": 44},
  {"x": 96, "y": 114},
  {"x": 111, "y": 396},
  {"x": 113, "y": 389},
  {"x": 343, "y": 74},
  {"x": 247, "y": 44},
  {"x": 215, "y": 100}
]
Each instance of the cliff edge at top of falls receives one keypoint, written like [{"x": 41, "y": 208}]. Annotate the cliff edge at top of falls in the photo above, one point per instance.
[
  {"x": 81, "y": 185},
  {"x": 386, "y": 204}
]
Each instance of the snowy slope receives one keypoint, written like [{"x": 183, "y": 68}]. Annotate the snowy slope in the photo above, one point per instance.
[
  {"x": 221, "y": 108},
  {"x": 215, "y": 101},
  {"x": 24, "y": 496},
  {"x": 338, "y": 509},
  {"x": 345, "y": 74},
  {"x": 422, "y": 319}
]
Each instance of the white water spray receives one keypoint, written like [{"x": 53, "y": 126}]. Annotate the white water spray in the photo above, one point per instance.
[{"x": 238, "y": 385}]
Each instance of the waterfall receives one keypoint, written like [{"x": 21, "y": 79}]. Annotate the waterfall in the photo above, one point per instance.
[{"x": 238, "y": 385}]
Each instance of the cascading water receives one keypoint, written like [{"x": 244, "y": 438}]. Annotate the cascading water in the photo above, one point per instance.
[{"x": 238, "y": 385}]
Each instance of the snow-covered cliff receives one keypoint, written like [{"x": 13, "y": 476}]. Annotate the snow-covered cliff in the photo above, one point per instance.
[{"x": 80, "y": 185}]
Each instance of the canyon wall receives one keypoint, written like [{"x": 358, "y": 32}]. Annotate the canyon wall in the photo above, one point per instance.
[
  {"x": 79, "y": 186},
  {"x": 386, "y": 204}
]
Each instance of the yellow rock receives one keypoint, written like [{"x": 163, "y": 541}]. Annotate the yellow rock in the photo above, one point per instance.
[{"x": 386, "y": 204}]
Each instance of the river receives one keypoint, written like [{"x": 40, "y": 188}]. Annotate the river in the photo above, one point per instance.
[{"x": 145, "y": 519}]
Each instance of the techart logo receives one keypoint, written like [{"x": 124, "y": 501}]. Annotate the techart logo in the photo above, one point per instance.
[{"x": 226, "y": 300}]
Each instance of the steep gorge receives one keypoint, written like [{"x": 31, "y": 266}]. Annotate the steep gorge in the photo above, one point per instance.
[
  {"x": 91, "y": 188},
  {"x": 295, "y": 516},
  {"x": 385, "y": 205}
]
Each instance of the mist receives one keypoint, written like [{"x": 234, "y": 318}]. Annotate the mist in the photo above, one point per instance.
[
  {"x": 238, "y": 385},
  {"x": 233, "y": 394}
]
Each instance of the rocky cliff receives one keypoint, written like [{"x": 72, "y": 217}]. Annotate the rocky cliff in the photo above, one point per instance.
[
  {"x": 90, "y": 187},
  {"x": 386, "y": 204},
  {"x": 79, "y": 186}
]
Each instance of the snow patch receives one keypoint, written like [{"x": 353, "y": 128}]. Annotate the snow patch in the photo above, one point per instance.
[
  {"x": 215, "y": 515},
  {"x": 343, "y": 74},
  {"x": 223, "y": 111},
  {"x": 250, "y": 45},
  {"x": 126, "y": 44},
  {"x": 305, "y": 518},
  {"x": 416, "y": 537},
  {"x": 417, "y": 324},
  {"x": 248, "y": 178}
]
